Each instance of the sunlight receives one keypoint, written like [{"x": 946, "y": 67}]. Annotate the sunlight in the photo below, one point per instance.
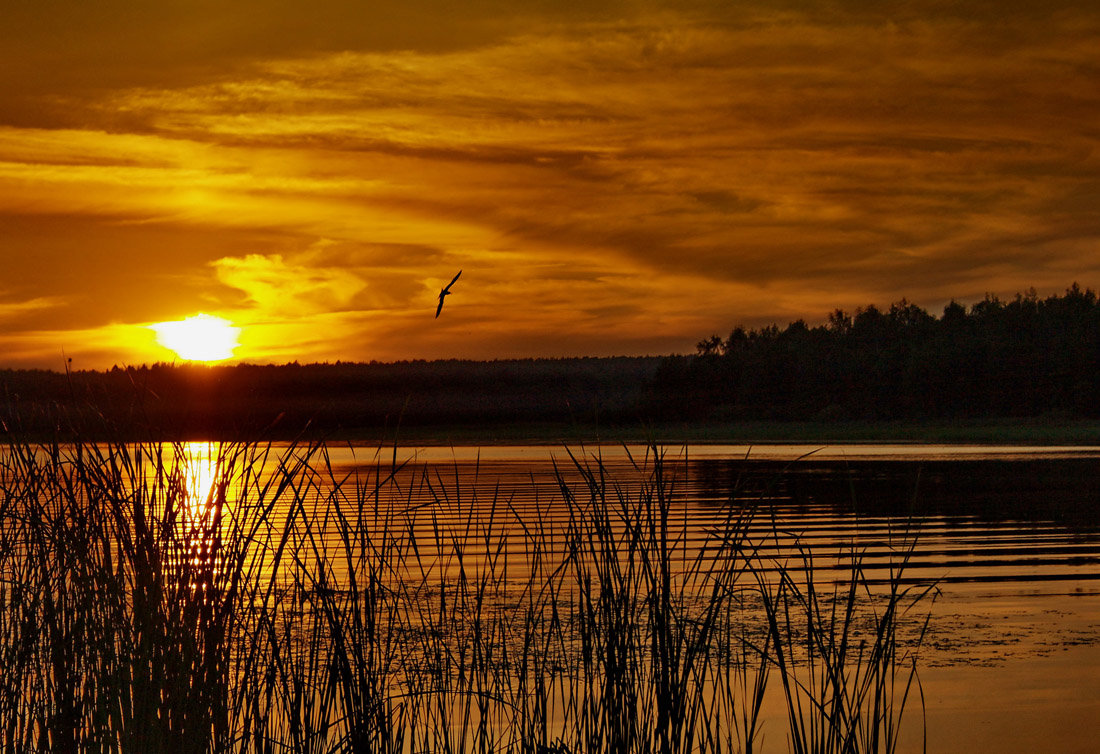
[
  {"x": 201, "y": 337},
  {"x": 202, "y": 501},
  {"x": 201, "y": 469}
]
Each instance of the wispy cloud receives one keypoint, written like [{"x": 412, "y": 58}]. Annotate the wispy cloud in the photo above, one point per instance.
[
  {"x": 279, "y": 288},
  {"x": 13, "y": 309}
]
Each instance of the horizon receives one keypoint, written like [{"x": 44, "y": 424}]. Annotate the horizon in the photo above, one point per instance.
[
  {"x": 703, "y": 346},
  {"x": 614, "y": 179},
  {"x": 234, "y": 363}
]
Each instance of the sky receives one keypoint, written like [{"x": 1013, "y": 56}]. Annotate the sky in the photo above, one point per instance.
[{"x": 613, "y": 177}]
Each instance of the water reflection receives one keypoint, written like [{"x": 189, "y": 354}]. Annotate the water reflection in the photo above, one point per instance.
[
  {"x": 1058, "y": 489},
  {"x": 200, "y": 470},
  {"x": 1020, "y": 517},
  {"x": 1022, "y": 520},
  {"x": 450, "y": 547},
  {"x": 776, "y": 452}
]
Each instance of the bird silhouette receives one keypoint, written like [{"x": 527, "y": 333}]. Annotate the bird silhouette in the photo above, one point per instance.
[{"x": 444, "y": 293}]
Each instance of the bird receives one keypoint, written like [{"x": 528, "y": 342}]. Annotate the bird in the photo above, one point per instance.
[{"x": 444, "y": 293}]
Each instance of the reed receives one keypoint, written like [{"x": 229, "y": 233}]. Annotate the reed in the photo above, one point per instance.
[
  {"x": 282, "y": 605},
  {"x": 846, "y": 671}
]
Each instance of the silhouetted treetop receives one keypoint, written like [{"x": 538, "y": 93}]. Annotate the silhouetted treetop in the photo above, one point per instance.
[{"x": 1022, "y": 357}]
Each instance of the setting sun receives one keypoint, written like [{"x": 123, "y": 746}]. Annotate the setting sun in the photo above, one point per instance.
[{"x": 201, "y": 337}]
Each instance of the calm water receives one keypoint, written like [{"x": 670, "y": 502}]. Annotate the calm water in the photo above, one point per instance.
[
  {"x": 1010, "y": 535},
  {"x": 1021, "y": 520}
]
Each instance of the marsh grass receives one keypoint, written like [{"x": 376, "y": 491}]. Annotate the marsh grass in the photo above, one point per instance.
[
  {"x": 846, "y": 673},
  {"x": 287, "y": 606}
]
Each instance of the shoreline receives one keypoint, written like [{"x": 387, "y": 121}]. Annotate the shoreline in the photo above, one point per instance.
[
  {"x": 1008, "y": 431},
  {"x": 998, "y": 432}
]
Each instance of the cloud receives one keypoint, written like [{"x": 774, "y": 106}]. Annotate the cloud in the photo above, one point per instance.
[
  {"x": 89, "y": 348},
  {"x": 277, "y": 287},
  {"x": 15, "y": 309},
  {"x": 615, "y": 171}
]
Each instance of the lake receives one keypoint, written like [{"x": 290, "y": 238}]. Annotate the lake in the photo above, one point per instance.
[
  {"x": 1010, "y": 535},
  {"x": 500, "y": 564}
]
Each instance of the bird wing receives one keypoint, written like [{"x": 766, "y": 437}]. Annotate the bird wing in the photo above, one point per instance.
[{"x": 445, "y": 292}]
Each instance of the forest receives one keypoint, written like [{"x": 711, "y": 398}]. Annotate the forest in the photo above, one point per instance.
[
  {"x": 1024, "y": 357},
  {"x": 249, "y": 401}
]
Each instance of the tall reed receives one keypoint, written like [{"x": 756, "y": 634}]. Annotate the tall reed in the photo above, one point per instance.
[
  {"x": 846, "y": 671},
  {"x": 286, "y": 605}
]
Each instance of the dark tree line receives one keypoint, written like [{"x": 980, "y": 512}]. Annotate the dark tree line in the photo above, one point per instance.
[
  {"x": 248, "y": 401},
  {"x": 1025, "y": 357}
]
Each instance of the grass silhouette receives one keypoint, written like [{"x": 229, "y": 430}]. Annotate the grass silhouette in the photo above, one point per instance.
[{"x": 292, "y": 607}]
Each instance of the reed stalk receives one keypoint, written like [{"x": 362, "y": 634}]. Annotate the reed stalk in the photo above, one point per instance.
[{"x": 291, "y": 606}]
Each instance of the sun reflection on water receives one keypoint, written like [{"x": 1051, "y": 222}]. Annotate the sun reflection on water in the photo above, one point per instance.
[
  {"x": 202, "y": 501},
  {"x": 200, "y": 464}
]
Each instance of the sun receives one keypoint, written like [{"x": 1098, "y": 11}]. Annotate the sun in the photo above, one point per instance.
[{"x": 201, "y": 337}]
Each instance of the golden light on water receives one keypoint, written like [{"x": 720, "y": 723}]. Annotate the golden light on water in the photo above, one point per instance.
[
  {"x": 202, "y": 501},
  {"x": 201, "y": 468},
  {"x": 201, "y": 337}
]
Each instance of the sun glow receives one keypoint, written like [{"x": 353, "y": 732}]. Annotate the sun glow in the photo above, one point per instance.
[
  {"x": 201, "y": 337},
  {"x": 201, "y": 469},
  {"x": 203, "y": 486}
]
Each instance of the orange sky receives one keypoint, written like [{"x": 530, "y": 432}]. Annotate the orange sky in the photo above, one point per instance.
[{"x": 611, "y": 177}]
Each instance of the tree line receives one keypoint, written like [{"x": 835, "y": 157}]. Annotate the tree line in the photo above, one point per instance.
[
  {"x": 251, "y": 401},
  {"x": 1024, "y": 357}
]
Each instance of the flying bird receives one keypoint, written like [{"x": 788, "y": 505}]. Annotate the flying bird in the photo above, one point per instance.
[{"x": 444, "y": 293}]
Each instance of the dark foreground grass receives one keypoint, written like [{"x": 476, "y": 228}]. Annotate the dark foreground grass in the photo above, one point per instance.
[{"x": 280, "y": 607}]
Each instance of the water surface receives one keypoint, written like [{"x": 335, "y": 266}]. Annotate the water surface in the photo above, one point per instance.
[{"x": 1008, "y": 536}]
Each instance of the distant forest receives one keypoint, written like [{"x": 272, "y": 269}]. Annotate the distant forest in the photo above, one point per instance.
[
  {"x": 1025, "y": 357},
  {"x": 247, "y": 401}
]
